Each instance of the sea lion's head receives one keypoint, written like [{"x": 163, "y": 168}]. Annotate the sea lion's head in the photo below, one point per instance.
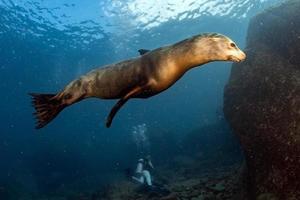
[{"x": 219, "y": 48}]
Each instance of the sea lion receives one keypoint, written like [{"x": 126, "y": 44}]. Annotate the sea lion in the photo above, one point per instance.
[{"x": 141, "y": 77}]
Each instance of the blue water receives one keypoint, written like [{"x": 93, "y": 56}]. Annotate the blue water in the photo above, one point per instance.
[{"x": 46, "y": 44}]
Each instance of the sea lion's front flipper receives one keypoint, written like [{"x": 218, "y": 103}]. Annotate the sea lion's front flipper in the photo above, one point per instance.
[
  {"x": 120, "y": 103},
  {"x": 143, "y": 51}
]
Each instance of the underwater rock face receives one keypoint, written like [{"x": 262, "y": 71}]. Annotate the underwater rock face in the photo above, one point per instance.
[{"x": 262, "y": 103}]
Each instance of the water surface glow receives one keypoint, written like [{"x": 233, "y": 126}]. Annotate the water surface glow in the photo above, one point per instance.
[
  {"x": 93, "y": 19},
  {"x": 149, "y": 14}
]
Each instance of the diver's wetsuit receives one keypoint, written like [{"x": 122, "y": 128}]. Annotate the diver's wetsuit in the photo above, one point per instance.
[{"x": 142, "y": 172}]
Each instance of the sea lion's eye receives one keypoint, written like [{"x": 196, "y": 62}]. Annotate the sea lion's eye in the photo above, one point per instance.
[{"x": 232, "y": 45}]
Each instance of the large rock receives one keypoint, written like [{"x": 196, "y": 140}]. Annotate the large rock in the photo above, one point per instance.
[{"x": 262, "y": 103}]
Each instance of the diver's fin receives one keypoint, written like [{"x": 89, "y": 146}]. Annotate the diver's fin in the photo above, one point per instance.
[
  {"x": 47, "y": 107},
  {"x": 143, "y": 51},
  {"x": 120, "y": 103}
]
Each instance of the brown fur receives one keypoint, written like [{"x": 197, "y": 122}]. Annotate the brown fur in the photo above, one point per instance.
[{"x": 140, "y": 77}]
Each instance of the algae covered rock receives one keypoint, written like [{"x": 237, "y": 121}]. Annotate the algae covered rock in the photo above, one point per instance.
[
  {"x": 262, "y": 103},
  {"x": 267, "y": 196}
]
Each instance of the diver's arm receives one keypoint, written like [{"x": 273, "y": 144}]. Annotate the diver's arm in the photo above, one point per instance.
[{"x": 150, "y": 164}]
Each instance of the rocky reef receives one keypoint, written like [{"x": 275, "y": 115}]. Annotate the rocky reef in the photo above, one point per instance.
[
  {"x": 194, "y": 182},
  {"x": 203, "y": 164},
  {"x": 262, "y": 103}
]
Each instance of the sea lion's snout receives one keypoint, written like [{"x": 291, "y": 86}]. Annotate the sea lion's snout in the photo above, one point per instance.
[
  {"x": 238, "y": 56},
  {"x": 241, "y": 56},
  {"x": 235, "y": 54}
]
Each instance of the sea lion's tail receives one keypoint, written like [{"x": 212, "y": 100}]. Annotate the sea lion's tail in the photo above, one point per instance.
[{"x": 47, "y": 107}]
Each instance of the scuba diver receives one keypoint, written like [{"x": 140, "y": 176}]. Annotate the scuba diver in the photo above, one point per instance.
[
  {"x": 142, "y": 176},
  {"x": 142, "y": 173}
]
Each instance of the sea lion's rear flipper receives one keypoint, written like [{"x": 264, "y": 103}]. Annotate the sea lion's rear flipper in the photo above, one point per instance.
[
  {"x": 120, "y": 103},
  {"x": 47, "y": 107},
  {"x": 143, "y": 51}
]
